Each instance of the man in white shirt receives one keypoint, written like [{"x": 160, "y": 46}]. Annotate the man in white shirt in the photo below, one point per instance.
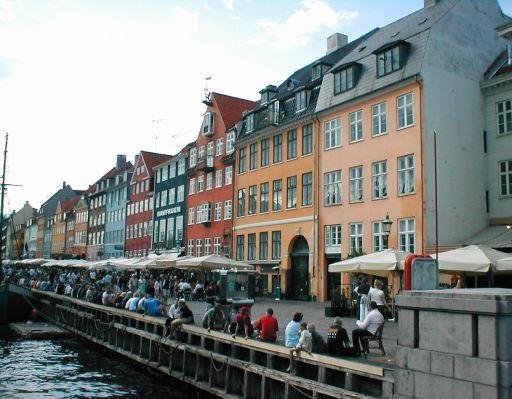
[{"x": 367, "y": 327}]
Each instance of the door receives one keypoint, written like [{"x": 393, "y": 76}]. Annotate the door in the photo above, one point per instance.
[{"x": 300, "y": 269}]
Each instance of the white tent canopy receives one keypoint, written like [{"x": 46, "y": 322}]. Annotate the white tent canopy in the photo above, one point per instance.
[
  {"x": 166, "y": 260},
  {"x": 470, "y": 259},
  {"x": 211, "y": 262},
  {"x": 504, "y": 265},
  {"x": 378, "y": 263}
]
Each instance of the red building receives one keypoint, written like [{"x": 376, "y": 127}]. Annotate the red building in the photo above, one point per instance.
[
  {"x": 210, "y": 177},
  {"x": 139, "y": 208}
]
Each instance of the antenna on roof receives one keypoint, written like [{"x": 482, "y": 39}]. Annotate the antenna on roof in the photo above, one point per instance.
[{"x": 206, "y": 91}]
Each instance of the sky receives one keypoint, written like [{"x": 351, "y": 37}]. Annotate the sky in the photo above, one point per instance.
[{"x": 84, "y": 80}]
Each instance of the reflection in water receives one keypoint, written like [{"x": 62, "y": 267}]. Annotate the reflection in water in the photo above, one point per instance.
[{"x": 68, "y": 369}]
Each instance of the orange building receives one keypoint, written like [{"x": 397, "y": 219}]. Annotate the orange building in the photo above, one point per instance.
[{"x": 80, "y": 231}]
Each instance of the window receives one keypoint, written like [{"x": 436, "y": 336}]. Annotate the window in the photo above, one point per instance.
[
  {"x": 251, "y": 246},
  {"x": 172, "y": 196},
  {"x": 278, "y": 148},
  {"x": 406, "y": 234},
  {"x": 333, "y": 236},
  {"x": 391, "y": 60},
  {"x": 356, "y": 126},
  {"x": 190, "y": 247},
  {"x": 301, "y": 100},
  {"x": 191, "y": 215},
  {"x": 164, "y": 173},
  {"x": 200, "y": 153},
  {"x": 264, "y": 197},
  {"x": 172, "y": 170},
  {"x": 209, "y": 149},
  {"x": 163, "y": 198},
  {"x": 332, "y": 187},
  {"x": 263, "y": 245},
  {"x": 199, "y": 216},
  {"x": 200, "y": 183},
  {"x": 181, "y": 166},
  {"x": 207, "y": 246},
  {"x": 276, "y": 245},
  {"x": 209, "y": 180},
  {"x": 240, "y": 247},
  {"x": 380, "y": 179},
  {"x": 292, "y": 144},
  {"x": 506, "y": 177},
  {"x": 291, "y": 192},
  {"x": 230, "y": 142},
  {"x": 228, "y": 175},
  {"x": 344, "y": 80},
  {"x": 307, "y": 139},
  {"x": 356, "y": 238},
  {"x": 504, "y": 113},
  {"x": 216, "y": 245},
  {"x": 241, "y": 202},
  {"x": 199, "y": 244},
  {"x": 265, "y": 148},
  {"x": 332, "y": 133},
  {"x": 208, "y": 125},
  {"x": 241, "y": 160},
  {"x": 227, "y": 209},
  {"x": 218, "y": 211},
  {"x": 192, "y": 186},
  {"x": 218, "y": 178},
  {"x": 249, "y": 122},
  {"x": 253, "y": 156},
  {"x": 307, "y": 189},
  {"x": 220, "y": 147},
  {"x": 379, "y": 124},
  {"x": 378, "y": 237},
  {"x": 277, "y": 195},
  {"x": 356, "y": 183},
  {"x": 181, "y": 193},
  {"x": 252, "y": 200},
  {"x": 193, "y": 157},
  {"x": 405, "y": 111},
  {"x": 406, "y": 175}
]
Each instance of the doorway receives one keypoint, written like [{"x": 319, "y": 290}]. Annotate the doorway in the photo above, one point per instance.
[{"x": 300, "y": 269}]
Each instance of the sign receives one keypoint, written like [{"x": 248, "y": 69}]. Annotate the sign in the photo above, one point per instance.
[
  {"x": 424, "y": 274},
  {"x": 169, "y": 211}
]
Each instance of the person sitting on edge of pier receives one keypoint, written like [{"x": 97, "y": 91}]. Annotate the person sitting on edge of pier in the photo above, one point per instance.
[
  {"x": 132, "y": 303},
  {"x": 318, "y": 342},
  {"x": 186, "y": 317},
  {"x": 292, "y": 331},
  {"x": 152, "y": 306},
  {"x": 338, "y": 342},
  {"x": 172, "y": 314},
  {"x": 305, "y": 344},
  {"x": 142, "y": 301},
  {"x": 367, "y": 327},
  {"x": 126, "y": 298},
  {"x": 215, "y": 319},
  {"x": 267, "y": 327},
  {"x": 242, "y": 324}
]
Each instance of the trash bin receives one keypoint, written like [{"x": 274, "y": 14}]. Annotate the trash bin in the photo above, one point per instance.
[{"x": 277, "y": 293}]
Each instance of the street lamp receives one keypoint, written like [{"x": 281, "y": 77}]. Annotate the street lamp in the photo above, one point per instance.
[{"x": 386, "y": 228}]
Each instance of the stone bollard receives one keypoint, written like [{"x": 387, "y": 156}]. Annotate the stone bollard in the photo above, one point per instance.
[{"x": 454, "y": 343}]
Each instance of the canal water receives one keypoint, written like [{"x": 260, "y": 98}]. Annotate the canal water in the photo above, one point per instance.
[{"x": 74, "y": 369}]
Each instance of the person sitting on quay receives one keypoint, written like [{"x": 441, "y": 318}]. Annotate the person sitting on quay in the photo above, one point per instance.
[
  {"x": 242, "y": 324},
  {"x": 126, "y": 298},
  {"x": 152, "y": 306},
  {"x": 140, "y": 304},
  {"x": 338, "y": 343},
  {"x": 367, "y": 327},
  {"x": 186, "y": 317},
  {"x": 215, "y": 319},
  {"x": 267, "y": 327},
  {"x": 305, "y": 344},
  {"x": 318, "y": 342},
  {"x": 132, "y": 303},
  {"x": 292, "y": 331},
  {"x": 172, "y": 314},
  {"x": 210, "y": 294}
]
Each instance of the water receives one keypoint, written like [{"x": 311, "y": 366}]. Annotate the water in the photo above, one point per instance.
[{"x": 71, "y": 369}]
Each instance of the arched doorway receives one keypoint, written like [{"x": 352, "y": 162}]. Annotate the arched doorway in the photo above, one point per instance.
[{"x": 300, "y": 269}]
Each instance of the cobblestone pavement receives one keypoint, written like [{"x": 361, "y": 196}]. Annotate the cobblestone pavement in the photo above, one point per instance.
[{"x": 313, "y": 312}]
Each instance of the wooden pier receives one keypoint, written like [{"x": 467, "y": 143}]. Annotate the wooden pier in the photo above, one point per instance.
[
  {"x": 215, "y": 362},
  {"x": 39, "y": 330}
]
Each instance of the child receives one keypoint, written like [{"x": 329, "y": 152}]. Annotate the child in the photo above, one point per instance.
[{"x": 305, "y": 343}]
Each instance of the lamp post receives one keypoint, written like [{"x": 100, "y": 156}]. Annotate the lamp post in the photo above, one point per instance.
[{"x": 386, "y": 228}]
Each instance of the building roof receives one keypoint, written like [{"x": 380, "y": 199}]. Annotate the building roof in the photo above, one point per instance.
[
  {"x": 152, "y": 159},
  {"x": 231, "y": 108},
  {"x": 498, "y": 237},
  {"x": 68, "y": 205}
]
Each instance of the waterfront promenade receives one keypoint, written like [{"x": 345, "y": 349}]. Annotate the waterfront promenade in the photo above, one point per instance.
[{"x": 313, "y": 312}]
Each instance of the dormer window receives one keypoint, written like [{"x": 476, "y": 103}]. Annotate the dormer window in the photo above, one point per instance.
[
  {"x": 318, "y": 70},
  {"x": 346, "y": 77},
  {"x": 192, "y": 157},
  {"x": 249, "y": 122},
  {"x": 274, "y": 112},
  {"x": 267, "y": 93},
  {"x": 301, "y": 100},
  {"x": 208, "y": 124},
  {"x": 391, "y": 57}
]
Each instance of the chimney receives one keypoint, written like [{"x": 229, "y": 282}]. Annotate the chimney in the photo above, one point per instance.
[
  {"x": 63, "y": 185},
  {"x": 121, "y": 162},
  {"x": 428, "y": 3},
  {"x": 335, "y": 42}
]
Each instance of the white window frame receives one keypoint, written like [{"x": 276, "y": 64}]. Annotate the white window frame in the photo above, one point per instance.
[
  {"x": 407, "y": 234},
  {"x": 218, "y": 178},
  {"x": 199, "y": 247},
  {"x": 505, "y": 177},
  {"x": 378, "y": 236},
  {"x": 405, "y": 111},
  {"x": 332, "y": 236},
  {"x": 207, "y": 246},
  {"x": 332, "y": 133},
  {"x": 356, "y": 175},
  {"x": 380, "y": 180},
  {"x": 379, "y": 119},
  {"x": 219, "y": 147},
  {"x": 216, "y": 245},
  {"x": 218, "y": 211},
  {"x": 180, "y": 196},
  {"x": 333, "y": 188},
  {"x": 356, "y": 237},
  {"x": 228, "y": 209},
  {"x": 228, "y": 175},
  {"x": 209, "y": 180},
  {"x": 192, "y": 186},
  {"x": 230, "y": 142},
  {"x": 405, "y": 171},
  {"x": 200, "y": 183},
  {"x": 191, "y": 216},
  {"x": 356, "y": 126}
]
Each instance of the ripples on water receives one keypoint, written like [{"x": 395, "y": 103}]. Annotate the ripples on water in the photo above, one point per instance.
[{"x": 68, "y": 369}]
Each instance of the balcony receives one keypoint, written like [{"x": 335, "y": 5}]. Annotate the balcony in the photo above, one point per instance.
[
  {"x": 267, "y": 117},
  {"x": 205, "y": 164},
  {"x": 228, "y": 159}
]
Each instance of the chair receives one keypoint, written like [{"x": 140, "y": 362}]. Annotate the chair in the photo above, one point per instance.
[{"x": 377, "y": 337}]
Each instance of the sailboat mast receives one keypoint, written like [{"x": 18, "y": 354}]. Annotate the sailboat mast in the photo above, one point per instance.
[{"x": 2, "y": 195}]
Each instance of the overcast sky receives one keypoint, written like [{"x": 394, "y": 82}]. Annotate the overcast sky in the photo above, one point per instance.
[{"x": 84, "y": 80}]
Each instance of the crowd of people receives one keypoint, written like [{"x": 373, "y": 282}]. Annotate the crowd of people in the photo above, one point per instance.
[{"x": 166, "y": 295}]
